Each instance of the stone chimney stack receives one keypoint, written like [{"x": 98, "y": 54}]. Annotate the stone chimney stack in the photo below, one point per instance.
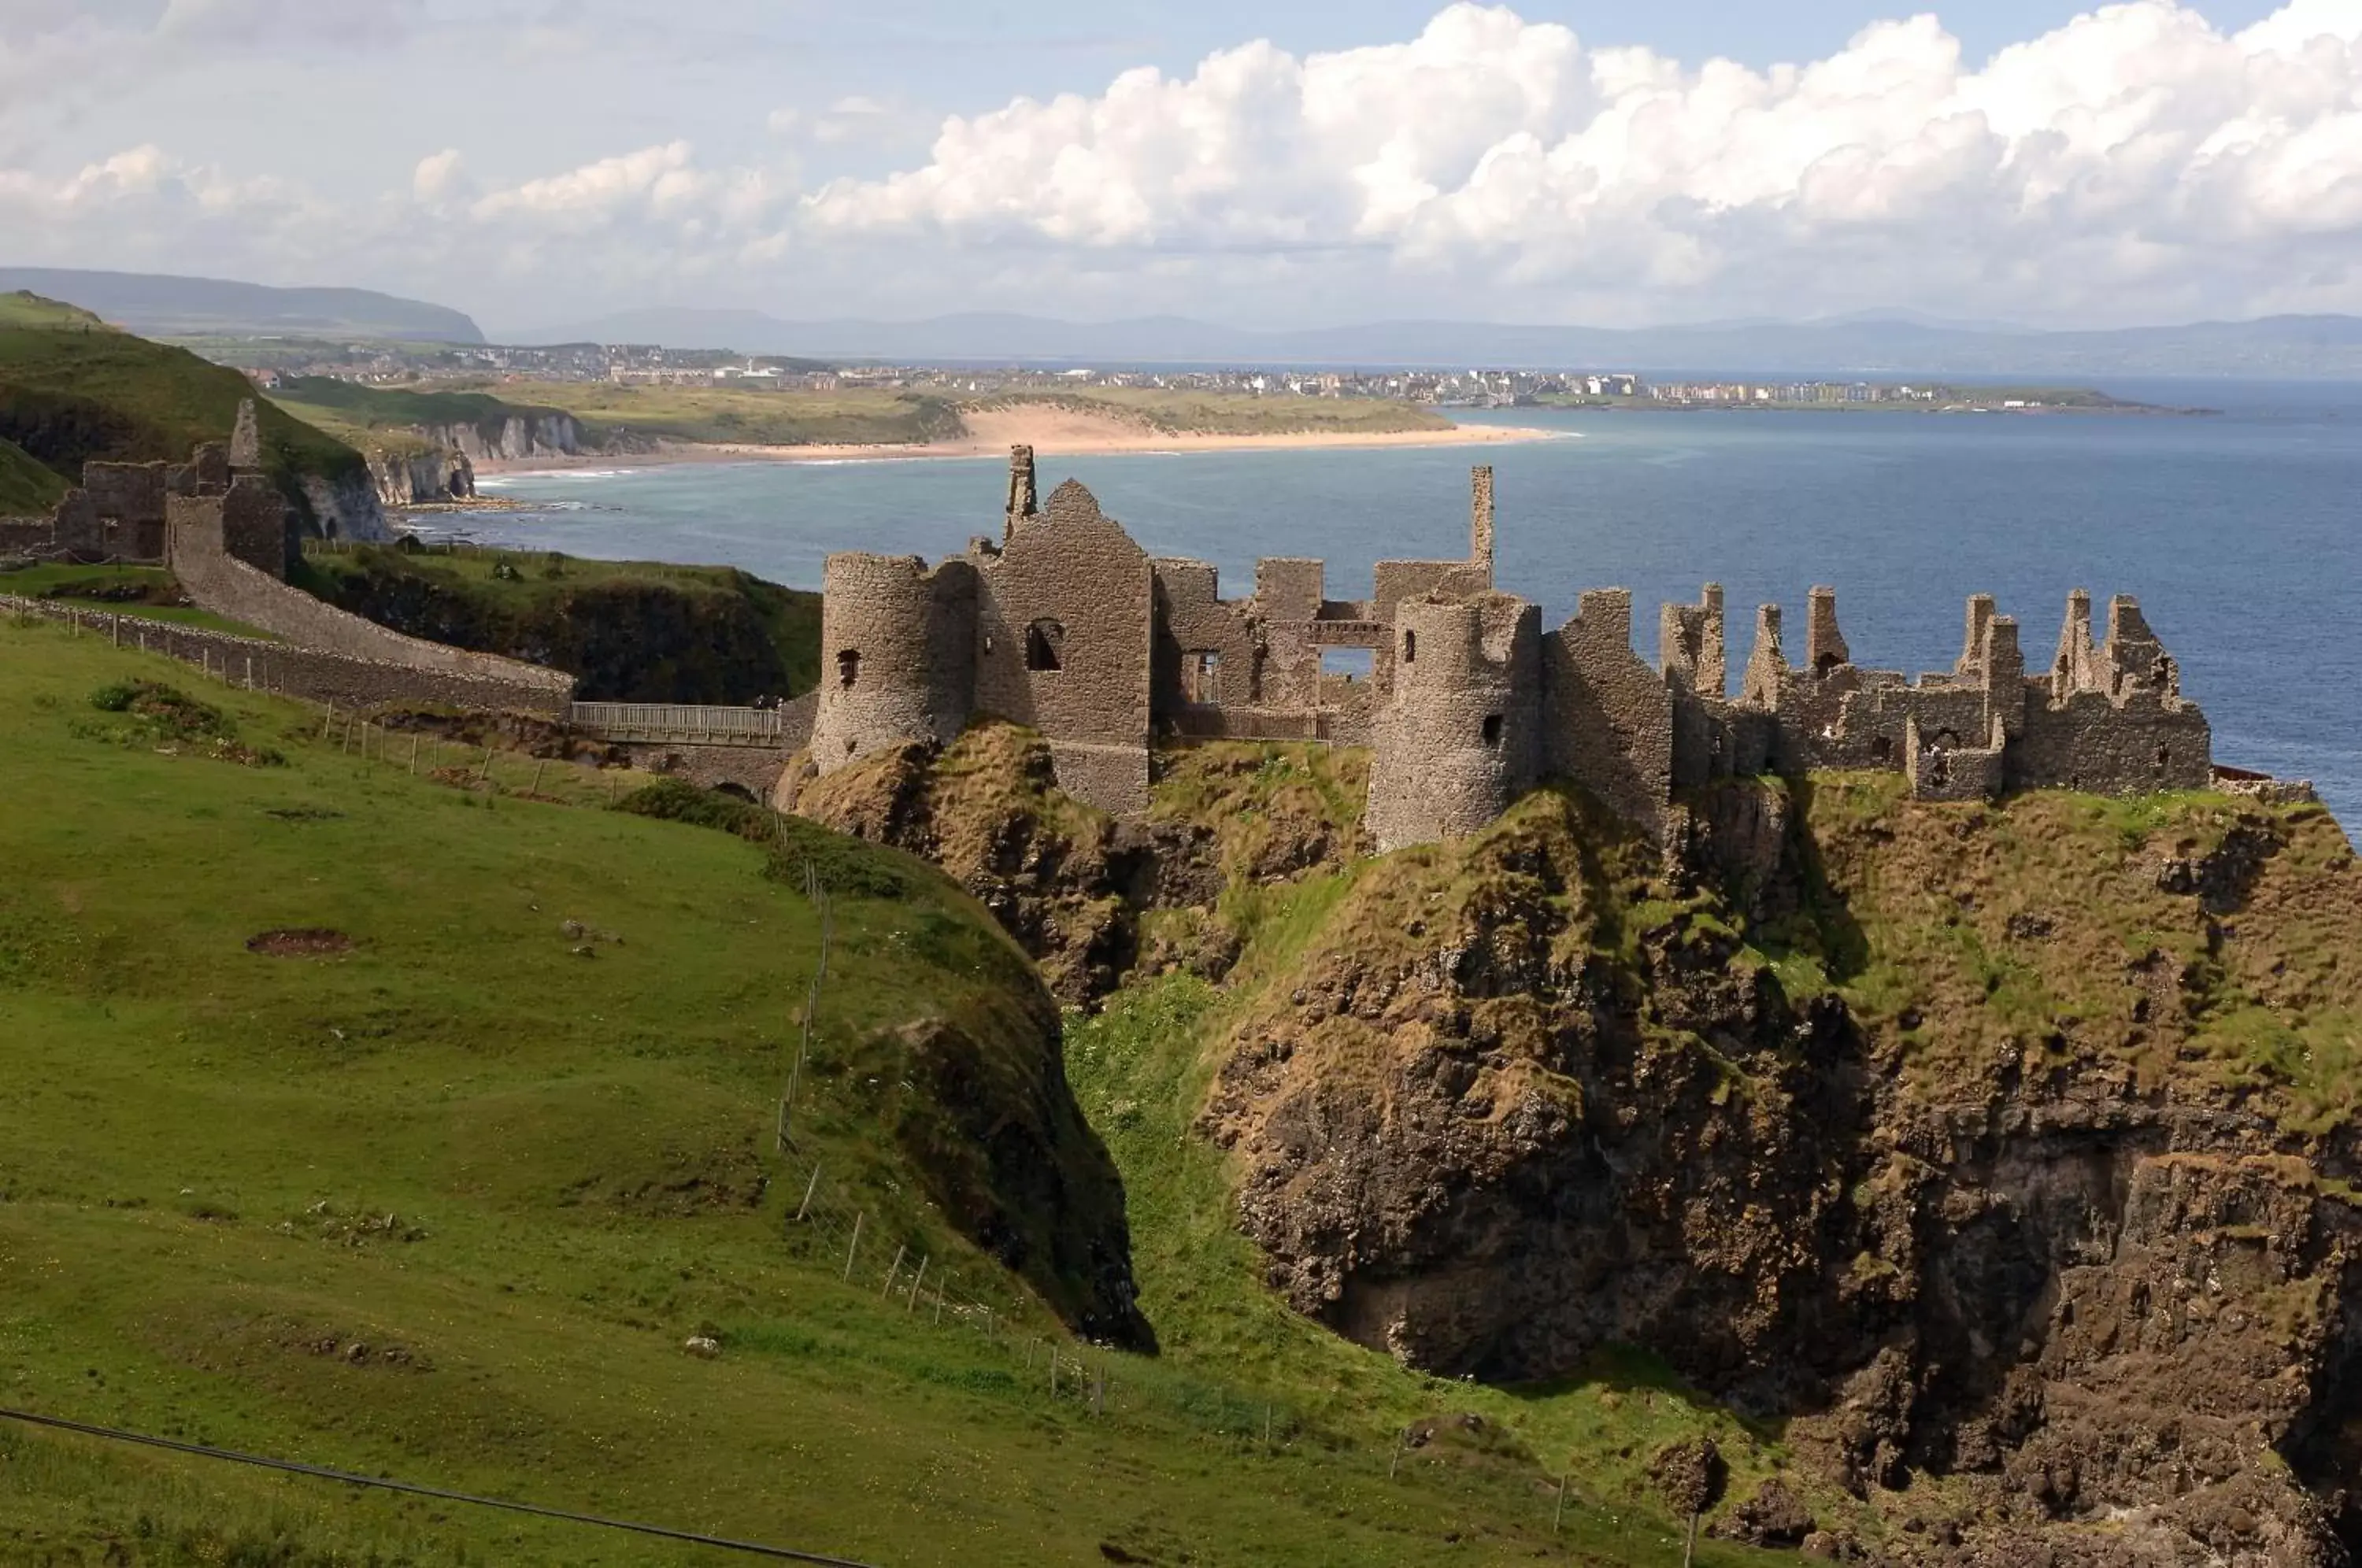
[
  {"x": 1021, "y": 504},
  {"x": 1825, "y": 645},
  {"x": 1480, "y": 519}
]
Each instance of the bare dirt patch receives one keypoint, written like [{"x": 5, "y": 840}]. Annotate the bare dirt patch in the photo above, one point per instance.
[{"x": 312, "y": 942}]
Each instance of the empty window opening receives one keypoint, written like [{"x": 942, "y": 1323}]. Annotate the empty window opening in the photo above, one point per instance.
[
  {"x": 1410, "y": 646},
  {"x": 1826, "y": 663},
  {"x": 1046, "y": 646},
  {"x": 1881, "y": 748},
  {"x": 848, "y": 667},
  {"x": 2164, "y": 757},
  {"x": 1201, "y": 676},
  {"x": 987, "y": 642},
  {"x": 1347, "y": 664},
  {"x": 1492, "y": 729}
]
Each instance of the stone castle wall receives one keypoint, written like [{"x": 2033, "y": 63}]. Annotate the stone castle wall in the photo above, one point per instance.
[
  {"x": 1607, "y": 717},
  {"x": 313, "y": 674},
  {"x": 1459, "y": 737},
  {"x": 214, "y": 548},
  {"x": 1068, "y": 626}
]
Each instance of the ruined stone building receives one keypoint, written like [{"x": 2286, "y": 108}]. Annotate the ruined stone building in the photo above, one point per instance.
[
  {"x": 1066, "y": 624},
  {"x": 125, "y": 511}
]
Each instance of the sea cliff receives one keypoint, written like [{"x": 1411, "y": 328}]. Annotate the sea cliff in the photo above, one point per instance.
[{"x": 1999, "y": 1155}]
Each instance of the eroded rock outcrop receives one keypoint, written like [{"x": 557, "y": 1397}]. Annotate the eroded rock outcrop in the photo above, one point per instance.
[
  {"x": 2021, "y": 1164},
  {"x": 419, "y": 477},
  {"x": 1999, "y": 1152}
]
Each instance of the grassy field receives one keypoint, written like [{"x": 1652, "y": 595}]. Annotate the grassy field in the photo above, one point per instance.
[
  {"x": 147, "y": 592},
  {"x": 28, "y": 488},
  {"x": 445, "y": 1206},
  {"x": 72, "y": 391},
  {"x": 623, "y": 417},
  {"x": 381, "y": 416},
  {"x": 1238, "y": 414}
]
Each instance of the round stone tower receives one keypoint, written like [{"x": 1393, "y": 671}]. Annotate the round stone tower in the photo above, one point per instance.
[
  {"x": 897, "y": 655},
  {"x": 1452, "y": 747}
]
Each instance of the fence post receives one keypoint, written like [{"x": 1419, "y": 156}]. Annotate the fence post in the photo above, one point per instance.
[
  {"x": 891, "y": 1270},
  {"x": 115, "y": 629},
  {"x": 414, "y": 753},
  {"x": 858, "y": 1217},
  {"x": 1560, "y": 1512},
  {"x": 809, "y": 1188},
  {"x": 917, "y": 1280}
]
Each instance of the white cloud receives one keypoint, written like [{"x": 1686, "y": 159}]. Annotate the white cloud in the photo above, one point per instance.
[
  {"x": 2136, "y": 147},
  {"x": 2136, "y": 163}
]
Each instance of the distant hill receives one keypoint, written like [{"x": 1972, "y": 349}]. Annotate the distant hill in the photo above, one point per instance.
[
  {"x": 1880, "y": 343},
  {"x": 162, "y": 306}
]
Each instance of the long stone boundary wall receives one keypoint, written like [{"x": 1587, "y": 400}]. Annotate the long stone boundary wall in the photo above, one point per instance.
[
  {"x": 313, "y": 674},
  {"x": 231, "y": 587}
]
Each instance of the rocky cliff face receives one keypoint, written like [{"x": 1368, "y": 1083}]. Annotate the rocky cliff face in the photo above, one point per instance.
[
  {"x": 509, "y": 440},
  {"x": 2000, "y": 1154},
  {"x": 416, "y": 477},
  {"x": 347, "y": 507}
]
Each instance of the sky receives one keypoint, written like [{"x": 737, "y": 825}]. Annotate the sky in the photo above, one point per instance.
[{"x": 540, "y": 162}]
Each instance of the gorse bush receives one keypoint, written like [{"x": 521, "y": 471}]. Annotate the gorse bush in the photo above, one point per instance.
[{"x": 163, "y": 715}]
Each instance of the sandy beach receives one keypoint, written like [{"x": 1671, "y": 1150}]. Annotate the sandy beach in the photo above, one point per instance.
[{"x": 1051, "y": 431}]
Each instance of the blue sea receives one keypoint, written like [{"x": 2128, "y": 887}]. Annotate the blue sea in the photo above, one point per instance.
[{"x": 2240, "y": 531}]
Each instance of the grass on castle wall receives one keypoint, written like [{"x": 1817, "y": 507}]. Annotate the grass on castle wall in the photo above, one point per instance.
[{"x": 522, "y": 1177}]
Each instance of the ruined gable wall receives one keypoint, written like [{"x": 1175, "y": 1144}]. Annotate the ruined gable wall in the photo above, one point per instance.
[
  {"x": 1077, "y": 569},
  {"x": 897, "y": 655},
  {"x": 1607, "y": 718},
  {"x": 133, "y": 495},
  {"x": 258, "y": 527}
]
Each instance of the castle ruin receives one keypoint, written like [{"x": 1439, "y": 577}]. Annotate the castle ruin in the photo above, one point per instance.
[{"x": 1066, "y": 624}]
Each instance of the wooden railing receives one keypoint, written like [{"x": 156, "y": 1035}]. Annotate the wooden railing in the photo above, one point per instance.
[{"x": 676, "y": 723}]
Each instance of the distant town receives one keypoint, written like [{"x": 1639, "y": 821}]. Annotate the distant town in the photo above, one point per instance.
[{"x": 628, "y": 364}]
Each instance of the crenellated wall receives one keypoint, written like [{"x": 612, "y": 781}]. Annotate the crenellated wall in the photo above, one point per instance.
[{"x": 1067, "y": 626}]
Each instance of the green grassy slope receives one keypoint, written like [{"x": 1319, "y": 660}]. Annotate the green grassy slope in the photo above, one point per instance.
[
  {"x": 72, "y": 391},
  {"x": 365, "y": 415},
  {"x": 1235, "y": 413},
  {"x": 634, "y": 631},
  {"x": 625, "y": 415},
  {"x": 28, "y": 488},
  {"x": 446, "y": 1207}
]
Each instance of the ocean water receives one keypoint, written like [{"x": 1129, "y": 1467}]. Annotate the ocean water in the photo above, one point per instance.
[{"x": 2240, "y": 532}]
